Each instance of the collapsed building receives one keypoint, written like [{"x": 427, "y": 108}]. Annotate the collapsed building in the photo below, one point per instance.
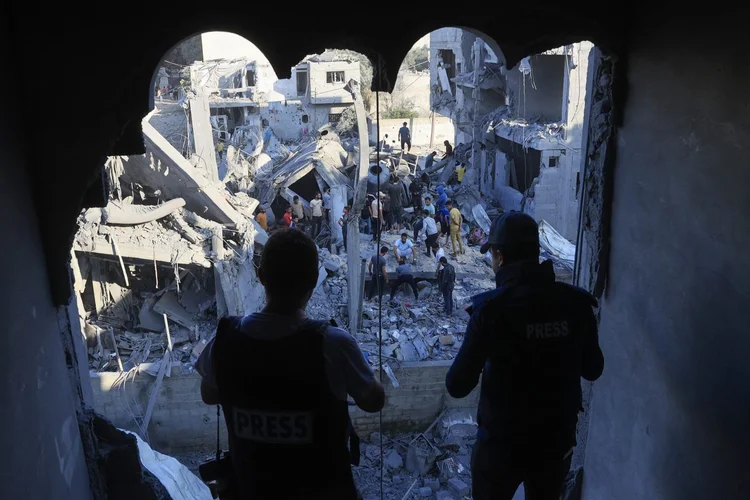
[
  {"x": 177, "y": 246},
  {"x": 524, "y": 123}
]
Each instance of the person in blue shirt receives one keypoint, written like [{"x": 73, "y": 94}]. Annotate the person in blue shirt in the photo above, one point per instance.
[
  {"x": 430, "y": 160},
  {"x": 442, "y": 198},
  {"x": 531, "y": 339}
]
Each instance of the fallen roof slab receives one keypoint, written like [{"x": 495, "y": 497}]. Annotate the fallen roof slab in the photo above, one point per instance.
[
  {"x": 102, "y": 247},
  {"x": 165, "y": 168}
]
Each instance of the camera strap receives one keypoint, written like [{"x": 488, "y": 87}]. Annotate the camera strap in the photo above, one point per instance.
[{"x": 218, "y": 430}]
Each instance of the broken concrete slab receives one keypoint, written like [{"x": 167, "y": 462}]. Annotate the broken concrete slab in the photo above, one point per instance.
[
  {"x": 459, "y": 487},
  {"x": 393, "y": 460},
  {"x": 163, "y": 167},
  {"x": 169, "y": 305},
  {"x": 433, "y": 483},
  {"x": 407, "y": 351},
  {"x": 148, "y": 318},
  {"x": 425, "y": 492}
]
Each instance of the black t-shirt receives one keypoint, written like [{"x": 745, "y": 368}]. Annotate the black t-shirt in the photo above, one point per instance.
[{"x": 394, "y": 192}]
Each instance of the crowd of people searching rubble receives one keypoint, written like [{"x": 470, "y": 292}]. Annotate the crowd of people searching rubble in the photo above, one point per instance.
[{"x": 284, "y": 381}]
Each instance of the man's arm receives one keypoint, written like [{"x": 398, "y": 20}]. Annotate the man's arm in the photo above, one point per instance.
[
  {"x": 385, "y": 273},
  {"x": 369, "y": 267},
  {"x": 463, "y": 375},
  {"x": 593, "y": 358},
  {"x": 368, "y": 393},
  {"x": 204, "y": 367},
  {"x": 414, "y": 253}
]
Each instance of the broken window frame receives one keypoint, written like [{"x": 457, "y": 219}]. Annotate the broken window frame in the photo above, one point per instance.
[{"x": 335, "y": 76}]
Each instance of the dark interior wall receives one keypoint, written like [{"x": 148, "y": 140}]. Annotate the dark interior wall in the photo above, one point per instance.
[
  {"x": 43, "y": 455},
  {"x": 670, "y": 414},
  {"x": 527, "y": 161},
  {"x": 541, "y": 100}
]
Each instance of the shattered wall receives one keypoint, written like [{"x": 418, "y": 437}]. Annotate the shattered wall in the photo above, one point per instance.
[
  {"x": 40, "y": 429},
  {"x": 669, "y": 413},
  {"x": 172, "y": 122},
  {"x": 289, "y": 120},
  {"x": 537, "y": 96},
  {"x": 557, "y": 195},
  {"x": 181, "y": 421}
]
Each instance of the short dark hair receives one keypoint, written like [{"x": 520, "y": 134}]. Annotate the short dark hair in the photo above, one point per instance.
[
  {"x": 383, "y": 249},
  {"x": 435, "y": 244},
  {"x": 289, "y": 264},
  {"x": 518, "y": 252},
  {"x": 443, "y": 260},
  {"x": 404, "y": 123},
  {"x": 402, "y": 260},
  {"x": 404, "y": 234},
  {"x": 425, "y": 212},
  {"x": 427, "y": 198},
  {"x": 347, "y": 207},
  {"x": 449, "y": 202},
  {"x": 433, "y": 153},
  {"x": 316, "y": 194},
  {"x": 295, "y": 198}
]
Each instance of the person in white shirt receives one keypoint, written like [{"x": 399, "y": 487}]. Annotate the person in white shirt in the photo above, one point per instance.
[
  {"x": 430, "y": 230},
  {"x": 376, "y": 214},
  {"x": 439, "y": 252},
  {"x": 404, "y": 245},
  {"x": 316, "y": 207}
]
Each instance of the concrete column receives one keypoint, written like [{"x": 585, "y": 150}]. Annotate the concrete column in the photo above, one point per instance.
[{"x": 200, "y": 117}]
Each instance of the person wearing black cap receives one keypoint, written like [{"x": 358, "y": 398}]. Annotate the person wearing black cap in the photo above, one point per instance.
[{"x": 533, "y": 339}]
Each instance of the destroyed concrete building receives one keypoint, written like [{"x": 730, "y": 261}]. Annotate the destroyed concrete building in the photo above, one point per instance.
[{"x": 527, "y": 120}]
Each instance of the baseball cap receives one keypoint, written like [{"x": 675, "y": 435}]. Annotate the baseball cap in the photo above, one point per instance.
[{"x": 512, "y": 228}]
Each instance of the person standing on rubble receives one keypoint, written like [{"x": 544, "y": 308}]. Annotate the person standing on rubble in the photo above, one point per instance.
[
  {"x": 387, "y": 220},
  {"x": 378, "y": 273},
  {"x": 283, "y": 382},
  {"x": 316, "y": 208},
  {"x": 365, "y": 215},
  {"x": 460, "y": 172},
  {"x": 444, "y": 218},
  {"x": 396, "y": 193},
  {"x": 442, "y": 198},
  {"x": 534, "y": 338},
  {"x": 297, "y": 208},
  {"x": 344, "y": 221},
  {"x": 446, "y": 278},
  {"x": 429, "y": 206},
  {"x": 376, "y": 214},
  {"x": 448, "y": 149},
  {"x": 404, "y": 135},
  {"x": 415, "y": 190},
  {"x": 430, "y": 230},
  {"x": 288, "y": 216},
  {"x": 455, "y": 225},
  {"x": 404, "y": 275},
  {"x": 262, "y": 219},
  {"x": 327, "y": 204}
]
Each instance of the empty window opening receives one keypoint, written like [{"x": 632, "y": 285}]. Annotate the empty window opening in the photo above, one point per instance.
[
  {"x": 335, "y": 77},
  {"x": 250, "y": 78},
  {"x": 305, "y": 118},
  {"x": 333, "y": 118},
  {"x": 301, "y": 83},
  {"x": 553, "y": 161}
]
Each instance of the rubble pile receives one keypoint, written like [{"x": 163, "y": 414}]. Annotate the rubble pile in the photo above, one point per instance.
[{"x": 432, "y": 464}]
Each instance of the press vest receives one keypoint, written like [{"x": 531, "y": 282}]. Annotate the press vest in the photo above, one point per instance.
[
  {"x": 287, "y": 431},
  {"x": 531, "y": 385}
]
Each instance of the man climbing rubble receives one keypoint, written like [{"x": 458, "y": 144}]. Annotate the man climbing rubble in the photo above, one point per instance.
[
  {"x": 404, "y": 275},
  {"x": 283, "y": 380},
  {"x": 446, "y": 277},
  {"x": 415, "y": 189},
  {"x": 534, "y": 338}
]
